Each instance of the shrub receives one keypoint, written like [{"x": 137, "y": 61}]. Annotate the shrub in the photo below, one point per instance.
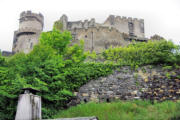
[
  {"x": 159, "y": 52},
  {"x": 55, "y": 69}
]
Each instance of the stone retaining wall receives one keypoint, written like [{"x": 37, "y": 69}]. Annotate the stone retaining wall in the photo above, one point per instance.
[{"x": 154, "y": 83}]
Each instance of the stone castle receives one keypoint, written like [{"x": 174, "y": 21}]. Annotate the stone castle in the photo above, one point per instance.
[{"x": 115, "y": 31}]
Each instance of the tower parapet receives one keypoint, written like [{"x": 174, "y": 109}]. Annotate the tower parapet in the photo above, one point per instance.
[{"x": 29, "y": 19}]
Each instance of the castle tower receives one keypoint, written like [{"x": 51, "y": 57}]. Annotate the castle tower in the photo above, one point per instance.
[
  {"x": 64, "y": 21},
  {"x": 30, "y": 27}
]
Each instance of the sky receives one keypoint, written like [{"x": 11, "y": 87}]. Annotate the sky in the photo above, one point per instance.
[{"x": 161, "y": 17}]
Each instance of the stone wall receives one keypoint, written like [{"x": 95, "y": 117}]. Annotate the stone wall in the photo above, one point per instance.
[
  {"x": 132, "y": 26},
  {"x": 99, "y": 38},
  {"x": 154, "y": 83},
  {"x": 31, "y": 25},
  {"x": 25, "y": 42},
  {"x": 71, "y": 25},
  {"x": 115, "y": 31},
  {"x": 30, "y": 16},
  {"x": 6, "y": 53}
]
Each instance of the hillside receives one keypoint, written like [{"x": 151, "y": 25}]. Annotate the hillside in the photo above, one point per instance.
[
  {"x": 59, "y": 69},
  {"x": 131, "y": 110}
]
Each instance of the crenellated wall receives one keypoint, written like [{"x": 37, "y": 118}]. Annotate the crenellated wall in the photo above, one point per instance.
[
  {"x": 131, "y": 26},
  {"x": 28, "y": 16},
  {"x": 115, "y": 31},
  {"x": 71, "y": 25}
]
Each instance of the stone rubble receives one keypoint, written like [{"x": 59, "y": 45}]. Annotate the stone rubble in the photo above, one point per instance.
[{"x": 127, "y": 84}]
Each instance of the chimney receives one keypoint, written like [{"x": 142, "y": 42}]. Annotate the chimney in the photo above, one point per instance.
[{"x": 29, "y": 105}]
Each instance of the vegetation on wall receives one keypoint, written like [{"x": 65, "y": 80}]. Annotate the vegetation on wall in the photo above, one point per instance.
[
  {"x": 159, "y": 52},
  {"x": 58, "y": 25},
  {"x": 57, "y": 68}
]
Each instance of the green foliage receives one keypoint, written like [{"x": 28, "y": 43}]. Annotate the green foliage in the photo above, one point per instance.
[
  {"x": 54, "y": 67},
  {"x": 129, "y": 110},
  {"x": 143, "y": 70},
  {"x": 168, "y": 75},
  {"x": 75, "y": 53},
  {"x": 2, "y": 60},
  {"x": 56, "y": 39},
  {"x": 159, "y": 52},
  {"x": 58, "y": 25},
  {"x": 57, "y": 68},
  {"x": 91, "y": 55},
  {"x": 167, "y": 67}
]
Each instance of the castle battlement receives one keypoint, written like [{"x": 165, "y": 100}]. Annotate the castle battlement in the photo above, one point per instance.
[
  {"x": 128, "y": 25},
  {"x": 124, "y": 18},
  {"x": 113, "y": 17},
  {"x": 28, "y": 16}
]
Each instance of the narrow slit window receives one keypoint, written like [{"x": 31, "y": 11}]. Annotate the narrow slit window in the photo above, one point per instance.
[{"x": 31, "y": 45}]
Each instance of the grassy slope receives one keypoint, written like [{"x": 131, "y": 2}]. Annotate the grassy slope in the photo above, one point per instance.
[{"x": 134, "y": 110}]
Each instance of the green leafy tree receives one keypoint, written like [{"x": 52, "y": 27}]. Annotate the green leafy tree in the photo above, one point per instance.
[
  {"x": 58, "y": 25},
  {"x": 55, "y": 67},
  {"x": 56, "y": 39}
]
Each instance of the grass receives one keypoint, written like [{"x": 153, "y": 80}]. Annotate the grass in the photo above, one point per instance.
[{"x": 129, "y": 110}]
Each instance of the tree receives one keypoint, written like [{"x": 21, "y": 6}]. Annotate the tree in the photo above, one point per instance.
[{"x": 56, "y": 39}]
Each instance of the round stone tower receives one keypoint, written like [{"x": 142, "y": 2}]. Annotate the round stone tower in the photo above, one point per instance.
[{"x": 30, "y": 27}]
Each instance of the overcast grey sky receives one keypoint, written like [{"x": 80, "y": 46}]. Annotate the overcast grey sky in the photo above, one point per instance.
[{"x": 161, "y": 16}]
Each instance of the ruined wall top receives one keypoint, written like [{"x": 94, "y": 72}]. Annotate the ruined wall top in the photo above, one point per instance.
[
  {"x": 128, "y": 25},
  {"x": 70, "y": 25},
  {"x": 27, "y": 15},
  {"x": 113, "y": 18}
]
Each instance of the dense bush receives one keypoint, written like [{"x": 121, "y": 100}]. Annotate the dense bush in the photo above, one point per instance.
[
  {"x": 53, "y": 67},
  {"x": 159, "y": 52}
]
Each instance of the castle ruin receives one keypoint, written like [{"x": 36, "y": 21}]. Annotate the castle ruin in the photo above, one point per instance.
[{"x": 115, "y": 31}]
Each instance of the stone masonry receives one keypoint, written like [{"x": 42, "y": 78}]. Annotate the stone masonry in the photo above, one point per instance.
[
  {"x": 30, "y": 27},
  {"x": 115, "y": 31},
  {"x": 152, "y": 83}
]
